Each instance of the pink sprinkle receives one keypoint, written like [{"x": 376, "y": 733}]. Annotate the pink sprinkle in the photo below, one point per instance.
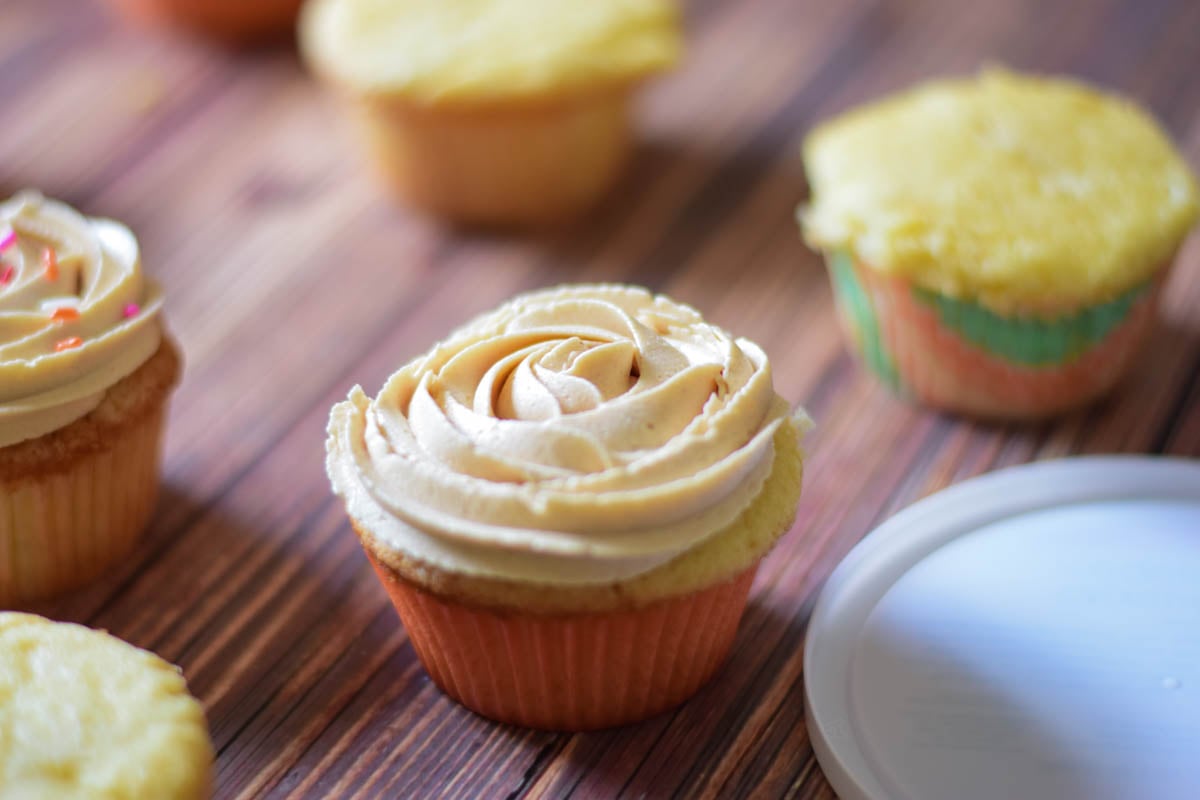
[
  {"x": 7, "y": 275},
  {"x": 131, "y": 310},
  {"x": 9, "y": 240}
]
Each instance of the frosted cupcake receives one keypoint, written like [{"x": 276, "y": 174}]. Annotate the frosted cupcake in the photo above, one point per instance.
[
  {"x": 996, "y": 244},
  {"x": 86, "y": 716},
  {"x": 567, "y": 500},
  {"x": 493, "y": 111},
  {"x": 85, "y": 375}
]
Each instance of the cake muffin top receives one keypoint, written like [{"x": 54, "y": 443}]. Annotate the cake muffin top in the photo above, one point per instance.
[
  {"x": 85, "y": 715},
  {"x": 576, "y": 435},
  {"x": 1014, "y": 191},
  {"x": 443, "y": 51},
  {"x": 76, "y": 314}
]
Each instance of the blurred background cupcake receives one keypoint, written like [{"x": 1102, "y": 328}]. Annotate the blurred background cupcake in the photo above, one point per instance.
[
  {"x": 232, "y": 20},
  {"x": 493, "y": 111},
  {"x": 567, "y": 501},
  {"x": 84, "y": 715},
  {"x": 996, "y": 244},
  {"x": 85, "y": 375}
]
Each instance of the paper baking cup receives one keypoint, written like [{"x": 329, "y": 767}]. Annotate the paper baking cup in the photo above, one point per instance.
[
  {"x": 521, "y": 163},
  {"x": 961, "y": 357},
  {"x": 571, "y": 672},
  {"x": 61, "y": 528}
]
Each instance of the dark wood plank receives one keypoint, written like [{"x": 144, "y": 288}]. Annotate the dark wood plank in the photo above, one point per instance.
[{"x": 291, "y": 277}]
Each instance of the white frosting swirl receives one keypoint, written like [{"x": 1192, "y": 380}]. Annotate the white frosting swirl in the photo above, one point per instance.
[
  {"x": 574, "y": 435},
  {"x": 76, "y": 314}
]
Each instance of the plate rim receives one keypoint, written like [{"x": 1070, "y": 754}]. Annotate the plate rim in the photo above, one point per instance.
[{"x": 897, "y": 544}]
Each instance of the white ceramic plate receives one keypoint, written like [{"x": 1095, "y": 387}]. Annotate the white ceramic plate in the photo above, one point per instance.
[{"x": 1033, "y": 633}]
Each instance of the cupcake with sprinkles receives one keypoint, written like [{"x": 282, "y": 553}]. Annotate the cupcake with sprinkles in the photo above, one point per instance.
[
  {"x": 86, "y": 372},
  {"x": 997, "y": 244}
]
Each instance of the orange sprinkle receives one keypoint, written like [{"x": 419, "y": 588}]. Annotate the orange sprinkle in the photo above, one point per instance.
[
  {"x": 64, "y": 314},
  {"x": 70, "y": 343},
  {"x": 50, "y": 262}
]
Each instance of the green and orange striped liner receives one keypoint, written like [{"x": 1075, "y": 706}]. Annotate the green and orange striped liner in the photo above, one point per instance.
[{"x": 960, "y": 356}]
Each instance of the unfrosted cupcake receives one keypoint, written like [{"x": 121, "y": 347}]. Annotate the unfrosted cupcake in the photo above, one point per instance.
[
  {"x": 567, "y": 501},
  {"x": 85, "y": 376},
  {"x": 493, "y": 111},
  {"x": 997, "y": 244},
  {"x": 86, "y": 716},
  {"x": 231, "y": 20}
]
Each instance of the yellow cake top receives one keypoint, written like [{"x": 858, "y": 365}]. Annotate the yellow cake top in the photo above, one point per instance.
[
  {"x": 1013, "y": 191},
  {"x": 85, "y": 715},
  {"x": 436, "y": 51}
]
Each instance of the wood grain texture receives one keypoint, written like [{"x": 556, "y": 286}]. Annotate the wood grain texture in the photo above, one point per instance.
[{"x": 291, "y": 277}]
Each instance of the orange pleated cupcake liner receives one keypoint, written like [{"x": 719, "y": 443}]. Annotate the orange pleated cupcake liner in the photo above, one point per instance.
[
  {"x": 522, "y": 163},
  {"x": 571, "y": 672},
  {"x": 942, "y": 369},
  {"x": 67, "y": 525}
]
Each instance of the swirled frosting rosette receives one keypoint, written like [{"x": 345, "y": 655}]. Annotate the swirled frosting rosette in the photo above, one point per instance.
[
  {"x": 575, "y": 435},
  {"x": 76, "y": 314}
]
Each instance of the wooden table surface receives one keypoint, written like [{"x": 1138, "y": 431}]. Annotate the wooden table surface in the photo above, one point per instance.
[{"x": 290, "y": 277}]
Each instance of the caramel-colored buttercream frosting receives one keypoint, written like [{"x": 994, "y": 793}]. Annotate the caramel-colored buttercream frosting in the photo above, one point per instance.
[
  {"x": 1014, "y": 191},
  {"x": 576, "y": 435},
  {"x": 76, "y": 314}
]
